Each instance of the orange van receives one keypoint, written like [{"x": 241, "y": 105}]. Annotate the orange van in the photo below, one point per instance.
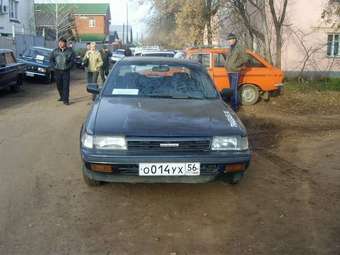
[{"x": 258, "y": 78}]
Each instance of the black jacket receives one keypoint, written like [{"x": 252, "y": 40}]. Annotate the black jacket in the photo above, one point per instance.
[{"x": 62, "y": 60}]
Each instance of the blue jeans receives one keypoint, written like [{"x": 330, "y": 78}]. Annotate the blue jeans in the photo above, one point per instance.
[{"x": 234, "y": 79}]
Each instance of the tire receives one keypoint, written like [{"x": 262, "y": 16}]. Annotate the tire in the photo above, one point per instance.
[
  {"x": 91, "y": 182},
  {"x": 249, "y": 94},
  {"x": 50, "y": 78},
  {"x": 17, "y": 86},
  {"x": 234, "y": 178}
]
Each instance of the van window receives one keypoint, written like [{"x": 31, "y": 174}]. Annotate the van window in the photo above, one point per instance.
[
  {"x": 9, "y": 58},
  {"x": 219, "y": 60},
  {"x": 203, "y": 59},
  {"x": 253, "y": 62}
]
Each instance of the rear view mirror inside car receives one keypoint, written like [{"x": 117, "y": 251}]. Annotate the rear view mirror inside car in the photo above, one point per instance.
[{"x": 160, "y": 69}]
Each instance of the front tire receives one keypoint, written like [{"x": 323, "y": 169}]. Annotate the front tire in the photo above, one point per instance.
[
  {"x": 17, "y": 86},
  {"x": 250, "y": 94},
  {"x": 90, "y": 182},
  {"x": 49, "y": 78},
  {"x": 234, "y": 178}
]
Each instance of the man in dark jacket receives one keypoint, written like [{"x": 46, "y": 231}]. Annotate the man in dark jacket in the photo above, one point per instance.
[
  {"x": 106, "y": 55},
  {"x": 235, "y": 59},
  {"x": 62, "y": 59}
]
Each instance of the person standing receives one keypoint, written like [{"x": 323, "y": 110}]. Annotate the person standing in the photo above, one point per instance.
[
  {"x": 62, "y": 59},
  {"x": 104, "y": 70},
  {"x": 235, "y": 59},
  {"x": 93, "y": 62}
]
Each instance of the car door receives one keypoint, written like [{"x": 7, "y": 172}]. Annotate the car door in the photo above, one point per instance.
[
  {"x": 257, "y": 72},
  {"x": 220, "y": 75},
  {"x": 12, "y": 68},
  {"x": 3, "y": 71},
  {"x": 204, "y": 59}
]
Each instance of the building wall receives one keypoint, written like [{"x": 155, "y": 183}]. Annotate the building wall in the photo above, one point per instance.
[
  {"x": 307, "y": 27},
  {"x": 25, "y": 22},
  {"x": 82, "y": 25}
]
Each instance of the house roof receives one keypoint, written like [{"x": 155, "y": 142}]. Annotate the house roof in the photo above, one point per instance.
[{"x": 77, "y": 9}]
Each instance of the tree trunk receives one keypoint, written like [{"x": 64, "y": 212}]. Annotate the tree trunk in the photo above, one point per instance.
[
  {"x": 278, "y": 48},
  {"x": 209, "y": 31}
]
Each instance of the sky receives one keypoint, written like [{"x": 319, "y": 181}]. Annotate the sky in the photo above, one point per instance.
[{"x": 137, "y": 13}]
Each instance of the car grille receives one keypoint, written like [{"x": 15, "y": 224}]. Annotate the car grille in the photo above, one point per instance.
[
  {"x": 196, "y": 144},
  {"x": 31, "y": 68}
]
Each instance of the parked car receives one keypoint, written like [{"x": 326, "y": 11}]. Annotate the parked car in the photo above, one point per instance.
[
  {"x": 37, "y": 60},
  {"x": 11, "y": 72},
  {"x": 161, "y": 120},
  {"x": 258, "y": 78},
  {"x": 117, "y": 55}
]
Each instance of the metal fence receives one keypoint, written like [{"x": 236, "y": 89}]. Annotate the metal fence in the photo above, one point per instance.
[{"x": 23, "y": 42}]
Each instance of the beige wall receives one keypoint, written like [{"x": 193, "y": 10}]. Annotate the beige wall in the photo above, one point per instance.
[{"x": 304, "y": 18}]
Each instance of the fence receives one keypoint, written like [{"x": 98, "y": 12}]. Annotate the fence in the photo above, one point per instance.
[{"x": 23, "y": 42}]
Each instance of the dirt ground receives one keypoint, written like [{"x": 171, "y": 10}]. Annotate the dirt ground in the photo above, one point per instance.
[{"x": 288, "y": 203}]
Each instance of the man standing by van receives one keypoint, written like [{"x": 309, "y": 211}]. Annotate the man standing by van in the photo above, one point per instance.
[
  {"x": 62, "y": 60},
  {"x": 235, "y": 59}
]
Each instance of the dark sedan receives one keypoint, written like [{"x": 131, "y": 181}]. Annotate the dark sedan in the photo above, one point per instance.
[
  {"x": 37, "y": 60},
  {"x": 161, "y": 120},
  {"x": 11, "y": 72}
]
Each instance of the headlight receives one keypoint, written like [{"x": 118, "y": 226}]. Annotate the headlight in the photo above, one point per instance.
[
  {"x": 42, "y": 70},
  {"x": 87, "y": 141},
  {"x": 110, "y": 143},
  {"x": 229, "y": 143}
]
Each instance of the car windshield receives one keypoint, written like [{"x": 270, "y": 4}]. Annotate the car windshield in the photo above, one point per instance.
[
  {"x": 160, "y": 80},
  {"x": 119, "y": 52},
  {"x": 37, "y": 54}
]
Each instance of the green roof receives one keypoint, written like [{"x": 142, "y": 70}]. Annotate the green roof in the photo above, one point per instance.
[
  {"x": 80, "y": 9},
  {"x": 92, "y": 37}
]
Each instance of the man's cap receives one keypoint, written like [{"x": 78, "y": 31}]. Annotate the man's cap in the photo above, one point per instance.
[
  {"x": 62, "y": 39},
  {"x": 231, "y": 36}
]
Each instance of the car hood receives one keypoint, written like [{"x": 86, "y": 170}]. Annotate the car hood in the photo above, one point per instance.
[
  {"x": 33, "y": 62},
  {"x": 164, "y": 117}
]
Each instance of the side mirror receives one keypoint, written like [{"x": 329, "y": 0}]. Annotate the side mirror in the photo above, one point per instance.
[
  {"x": 93, "y": 88},
  {"x": 227, "y": 94}
]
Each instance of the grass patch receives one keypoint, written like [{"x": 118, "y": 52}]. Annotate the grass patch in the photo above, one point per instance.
[{"x": 331, "y": 84}]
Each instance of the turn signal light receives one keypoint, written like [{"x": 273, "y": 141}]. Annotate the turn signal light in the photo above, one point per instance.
[
  {"x": 101, "y": 168},
  {"x": 234, "y": 168}
]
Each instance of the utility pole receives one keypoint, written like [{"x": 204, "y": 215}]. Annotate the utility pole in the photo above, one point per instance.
[
  {"x": 56, "y": 22},
  {"x": 127, "y": 23}
]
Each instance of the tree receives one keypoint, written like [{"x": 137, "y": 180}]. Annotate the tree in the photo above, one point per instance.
[
  {"x": 55, "y": 20},
  {"x": 278, "y": 20}
]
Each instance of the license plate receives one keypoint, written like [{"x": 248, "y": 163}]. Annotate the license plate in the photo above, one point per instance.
[
  {"x": 169, "y": 169},
  {"x": 29, "y": 74}
]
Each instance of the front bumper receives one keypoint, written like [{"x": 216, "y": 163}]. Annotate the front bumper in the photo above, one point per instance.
[
  {"x": 212, "y": 165},
  {"x": 36, "y": 74}
]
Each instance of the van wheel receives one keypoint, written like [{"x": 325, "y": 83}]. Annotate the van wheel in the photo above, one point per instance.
[
  {"x": 250, "y": 94},
  {"x": 90, "y": 182}
]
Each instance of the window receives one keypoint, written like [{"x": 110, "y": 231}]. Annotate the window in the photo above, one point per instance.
[
  {"x": 92, "y": 23},
  {"x": 219, "y": 60},
  {"x": 159, "y": 80},
  {"x": 333, "y": 45},
  {"x": 13, "y": 9},
  {"x": 9, "y": 58},
  {"x": 204, "y": 59}
]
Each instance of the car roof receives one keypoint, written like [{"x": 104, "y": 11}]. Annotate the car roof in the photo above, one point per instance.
[
  {"x": 159, "y": 60},
  {"x": 42, "y": 48},
  {"x": 5, "y": 50}
]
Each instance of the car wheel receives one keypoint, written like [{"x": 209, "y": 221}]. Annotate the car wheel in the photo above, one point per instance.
[
  {"x": 234, "y": 178},
  {"x": 91, "y": 182},
  {"x": 250, "y": 94},
  {"x": 16, "y": 87},
  {"x": 49, "y": 78}
]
